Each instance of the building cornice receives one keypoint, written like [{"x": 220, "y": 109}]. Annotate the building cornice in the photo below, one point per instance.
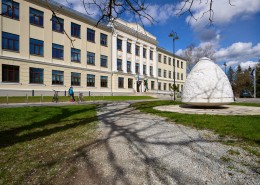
[{"x": 160, "y": 49}]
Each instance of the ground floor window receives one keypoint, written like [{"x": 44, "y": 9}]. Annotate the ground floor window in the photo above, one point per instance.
[
  {"x": 10, "y": 73},
  {"x": 36, "y": 75},
  {"x": 170, "y": 86},
  {"x": 120, "y": 82},
  {"x": 159, "y": 86},
  {"x": 152, "y": 85},
  {"x": 75, "y": 79},
  {"x": 90, "y": 80},
  {"x": 57, "y": 77},
  {"x": 130, "y": 83},
  {"x": 164, "y": 86},
  {"x": 103, "y": 81}
]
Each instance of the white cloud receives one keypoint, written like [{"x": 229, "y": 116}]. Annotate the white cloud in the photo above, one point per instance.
[{"x": 246, "y": 65}]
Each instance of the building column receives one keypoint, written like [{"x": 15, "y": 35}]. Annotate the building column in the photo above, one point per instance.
[
  {"x": 133, "y": 57},
  {"x": 141, "y": 59},
  {"x": 148, "y": 63},
  {"x": 155, "y": 63},
  {"x": 124, "y": 55},
  {"x": 114, "y": 52}
]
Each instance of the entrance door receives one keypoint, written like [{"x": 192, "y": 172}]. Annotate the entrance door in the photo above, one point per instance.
[{"x": 138, "y": 86}]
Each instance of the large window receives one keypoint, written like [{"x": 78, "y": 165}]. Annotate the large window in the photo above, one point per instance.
[
  {"x": 10, "y": 73},
  {"x": 151, "y": 55},
  {"x": 75, "y": 79},
  {"x": 57, "y": 24},
  {"x": 152, "y": 85},
  {"x": 57, "y": 77},
  {"x": 36, "y": 75},
  {"x": 90, "y": 80},
  {"x": 137, "y": 68},
  {"x": 119, "y": 64},
  {"x": 151, "y": 70},
  {"x": 10, "y": 41},
  {"x": 178, "y": 63},
  {"x": 159, "y": 72},
  {"x": 103, "y": 39},
  {"x": 10, "y": 9},
  {"x": 170, "y": 74},
  {"x": 36, "y": 17},
  {"x": 91, "y": 35},
  {"x": 75, "y": 30},
  {"x": 159, "y": 58},
  {"x": 128, "y": 47},
  {"x": 144, "y": 69},
  {"x": 130, "y": 83},
  {"x": 169, "y": 61},
  {"x": 75, "y": 55},
  {"x": 144, "y": 52},
  {"x": 103, "y": 61},
  {"x": 137, "y": 50},
  {"x": 164, "y": 73},
  {"x": 182, "y": 65},
  {"x": 57, "y": 51},
  {"x": 128, "y": 66},
  {"x": 36, "y": 47},
  {"x": 91, "y": 58},
  {"x": 119, "y": 44},
  {"x": 103, "y": 81},
  {"x": 181, "y": 76},
  {"x": 165, "y": 59},
  {"x": 120, "y": 82},
  {"x": 159, "y": 86},
  {"x": 164, "y": 86},
  {"x": 178, "y": 76}
]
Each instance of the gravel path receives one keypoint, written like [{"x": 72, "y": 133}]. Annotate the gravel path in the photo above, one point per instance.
[{"x": 137, "y": 148}]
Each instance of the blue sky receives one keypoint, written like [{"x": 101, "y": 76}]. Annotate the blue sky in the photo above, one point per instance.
[{"x": 235, "y": 32}]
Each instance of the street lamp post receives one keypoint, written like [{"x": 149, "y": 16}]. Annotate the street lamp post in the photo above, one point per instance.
[
  {"x": 225, "y": 67},
  {"x": 174, "y": 36}
]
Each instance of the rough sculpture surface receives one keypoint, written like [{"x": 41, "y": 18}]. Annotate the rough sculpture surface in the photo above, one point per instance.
[{"x": 207, "y": 85}]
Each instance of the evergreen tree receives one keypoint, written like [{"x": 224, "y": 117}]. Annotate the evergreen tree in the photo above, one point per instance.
[{"x": 257, "y": 72}]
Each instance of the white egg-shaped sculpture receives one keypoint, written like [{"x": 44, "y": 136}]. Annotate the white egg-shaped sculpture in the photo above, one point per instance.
[{"x": 207, "y": 85}]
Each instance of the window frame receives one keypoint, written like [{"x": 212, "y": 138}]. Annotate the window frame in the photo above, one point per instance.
[
  {"x": 10, "y": 75},
  {"x": 91, "y": 80},
  {"x": 10, "y": 41},
  {"x": 91, "y": 34},
  {"x": 36, "y": 13},
  {"x": 128, "y": 47},
  {"x": 137, "y": 68},
  {"x": 75, "y": 30},
  {"x": 91, "y": 58},
  {"x": 119, "y": 67},
  {"x": 37, "y": 45},
  {"x": 152, "y": 85},
  {"x": 104, "y": 83},
  {"x": 11, "y": 9},
  {"x": 128, "y": 66},
  {"x": 130, "y": 83},
  {"x": 102, "y": 59},
  {"x": 151, "y": 70},
  {"x": 151, "y": 55},
  {"x": 137, "y": 50},
  {"x": 103, "y": 39},
  {"x": 121, "y": 82},
  {"x": 57, "y": 24},
  {"x": 75, "y": 79},
  {"x": 36, "y": 75},
  {"x": 144, "y": 52},
  {"x": 60, "y": 79},
  {"x": 75, "y": 55},
  {"x": 119, "y": 44},
  {"x": 58, "y": 49},
  {"x": 144, "y": 69}
]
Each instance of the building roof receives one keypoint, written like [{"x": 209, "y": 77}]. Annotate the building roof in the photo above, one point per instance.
[{"x": 161, "y": 49}]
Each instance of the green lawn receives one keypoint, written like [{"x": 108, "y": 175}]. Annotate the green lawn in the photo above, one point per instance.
[
  {"x": 37, "y": 99},
  {"x": 38, "y": 143},
  {"x": 242, "y": 127}
]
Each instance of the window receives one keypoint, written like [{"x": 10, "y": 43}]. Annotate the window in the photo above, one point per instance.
[
  {"x": 75, "y": 55},
  {"x": 57, "y": 24},
  {"x": 103, "y": 61},
  {"x": 119, "y": 44},
  {"x": 57, "y": 77},
  {"x": 159, "y": 72},
  {"x": 90, "y": 58},
  {"x": 144, "y": 69},
  {"x": 178, "y": 86},
  {"x": 178, "y": 76},
  {"x": 173, "y": 62},
  {"x": 169, "y": 61},
  {"x": 90, "y": 80},
  {"x": 144, "y": 52},
  {"x": 137, "y": 68},
  {"x": 119, "y": 64},
  {"x": 103, "y": 39},
  {"x": 128, "y": 47},
  {"x": 178, "y": 63},
  {"x": 130, "y": 83},
  {"x": 36, "y": 47},
  {"x": 10, "y": 41},
  {"x": 170, "y": 86},
  {"x": 103, "y": 81},
  {"x": 151, "y": 55},
  {"x": 181, "y": 87},
  {"x": 36, "y": 17},
  {"x": 128, "y": 66},
  {"x": 75, "y": 30},
  {"x": 165, "y": 59},
  {"x": 137, "y": 50},
  {"x": 57, "y": 51},
  {"x": 164, "y": 86},
  {"x": 10, "y": 9},
  {"x": 164, "y": 73},
  {"x": 120, "y": 82},
  {"x": 75, "y": 79},
  {"x": 181, "y": 76},
  {"x": 36, "y": 75},
  {"x": 151, "y": 70},
  {"x": 10, "y": 73},
  {"x": 160, "y": 58},
  {"x": 182, "y": 65},
  {"x": 159, "y": 86},
  {"x": 91, "y": 35},
  {"x": 170, "y": 74},
  {"x": 152, "y": 85}
]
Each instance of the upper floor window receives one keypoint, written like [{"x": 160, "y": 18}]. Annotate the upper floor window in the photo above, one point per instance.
[
  {"x": 10, "y": 9},
  {"x": 75, "y": 30},
  {"x": 182, "y": 65},
  {"x": 119, "y": 64},
  {"x": 57, "y": 24},
  {"x": 178, "y": 76},
  {"x": 164, "y": 86},
  {"x": 119, "y": 44},
  {"x": 170, "y": 74},
  {"x": 57, "y": 51},
  {"x": 169, "y": 61},
  {"x": 103, "y": 81},
  {"x": 151, "y": 70},
  {"x": 36, "y": 75},
  {"x": 173, "y": 61},
  {"x": 36, "y": 17},
  {"x": 91, "y": 35},
  {"x": 165, "y": 59},
  {"x": 151, "y": 55},
  {"x": 36, "y": 47},
  {"x": 144, "y": 69},
  {"x": 91, "y": 58},
  {"x": 57, "y": 77},
  {"x": 10, "y": 41},
  {"x": 103, "y": 61},
  {"x": 120, "y": 82},
  {"x": 75, "y": 79},
  {"x": 10, "y": 73},
  {"x": 159, "y": 72},
  {"x": 178, "y": 63},
  {"x": 128, "y": 66},
  {"x": 128, "y": 47},
  {"x": 103, "y": 39},
  {"x": 90, "y": 80},
  {"x": 137, "y": 50},
  {"x": 164, "y": 73},
  {"x": 137, "y": 68},
  {"x": 160, "y": 58},
  {"x": 75, "y": 55},
  {"x": 144, "y": 52},
  {"x": 181, "y": 76}
]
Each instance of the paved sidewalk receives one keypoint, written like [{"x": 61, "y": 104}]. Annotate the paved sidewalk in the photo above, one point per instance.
[{"x": 137, "y": 148}]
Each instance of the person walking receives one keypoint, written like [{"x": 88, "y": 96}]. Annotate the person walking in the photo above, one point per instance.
[{"x": 71, "y": 93}]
